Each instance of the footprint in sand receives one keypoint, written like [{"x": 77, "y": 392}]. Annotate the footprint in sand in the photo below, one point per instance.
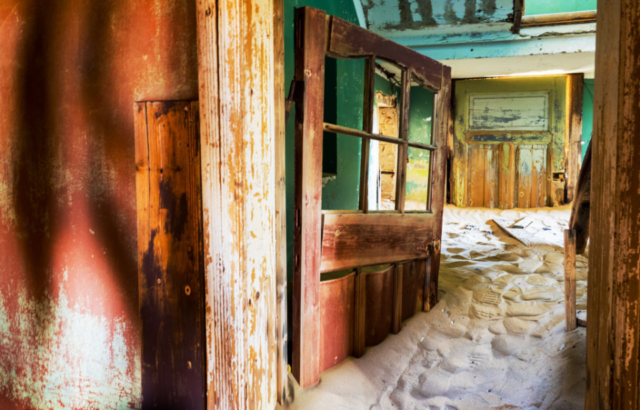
[
  {"x": 488, "y": 296},
  {"x": 453, "y": 235},
  {"x": 480, "y": 311}
]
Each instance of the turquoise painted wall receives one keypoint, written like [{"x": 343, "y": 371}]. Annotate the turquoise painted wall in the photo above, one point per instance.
[
  {"x": 587, "y": 114},
  {"x": 534, "y": 7}
]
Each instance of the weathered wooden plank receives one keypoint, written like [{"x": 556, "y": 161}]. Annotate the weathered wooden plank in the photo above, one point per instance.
[
  {"x": 570, "y": 279},
  {"x": 360, "y": 312},
  {"x": 310, "y": 50},
  {"x": 518, "y": 10},
  {"x": 581, "y": 207},
  {"x": 398, "y": 274},
  {"x": 236, "y": 86},
  {"x": 483, "y": 184},
  {"x": 337, "y": 313},
  {"x": 507, "y": 176},
  {"x": 523, "y": 223},
  {"x": 170, "y": 269},
  {"x": 349, "y": 40},
  {"x": 404, "y": 136},
  {"x": 531, "y": 177},
  {"x": 367, "y": 126},
  {"x": 352, "y": 240},
  {"x": 379, "y": 305},
  {"x": 520, "y": 234},
  {"x": 574, "y": 133},
  {"x": 280, "y": 114},
  {"x": 614, "y": 253}
]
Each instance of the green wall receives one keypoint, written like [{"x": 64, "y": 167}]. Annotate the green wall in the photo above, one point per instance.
[
  {"x": 534, "y": 7},
  {"x": 587, "y": 114}
]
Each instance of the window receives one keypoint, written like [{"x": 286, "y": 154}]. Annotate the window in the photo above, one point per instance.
[{"x": 394, "y": 145}]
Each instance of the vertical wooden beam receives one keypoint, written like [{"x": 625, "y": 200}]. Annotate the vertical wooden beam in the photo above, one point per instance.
[
  {"x": 518, "y": 12},
  {"x": 367, "y": 126},
  {"x": 281, "y": 202},
  {"x": 398, "y": 272},
  {"x": 570, "y": 278},
  {"x": 236, "y": 82},
  {"x": 614, "y": 254},
  {"x": 310, "y": 56},
  {"x": 360, "y": 309},
  {"x": 171, "y": 276},
  {"x": 575, "y": 85},
  {"x": 404, "y": 135}
]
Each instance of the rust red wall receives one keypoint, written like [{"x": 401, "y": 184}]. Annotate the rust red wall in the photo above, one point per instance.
[{"x": 69, "y": 74}]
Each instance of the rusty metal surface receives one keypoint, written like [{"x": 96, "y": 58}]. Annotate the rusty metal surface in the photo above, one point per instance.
[
  {"x": 337, "y": 310},
  {"x": 69, "y": 73},
  {"x": 379, "y": 305}
]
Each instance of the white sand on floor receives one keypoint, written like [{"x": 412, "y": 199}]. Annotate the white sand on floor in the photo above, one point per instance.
[{"x": 496, "y": 339}]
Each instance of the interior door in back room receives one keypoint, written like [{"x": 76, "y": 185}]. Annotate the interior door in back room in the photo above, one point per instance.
[{"x": 510, "y": 142}]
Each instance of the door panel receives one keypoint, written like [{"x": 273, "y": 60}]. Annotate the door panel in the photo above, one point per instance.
[
  {"x": 507, "y": 175},
  {"x": 483, "y": 176},
  {"x": 531, "y": 163}
]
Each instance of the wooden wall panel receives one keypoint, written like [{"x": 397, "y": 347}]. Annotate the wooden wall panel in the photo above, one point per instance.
[
  {"x": 507, "y": 176},
  {"x": 352, "y": 240},
  {"x": 337, "y": 313},
  {"x": 237, "y": 114},
  {"x": 483, "y": 188},
  {"x": 170, "y": 259},
  {"x": 531, "y": 176},
  {"x": 282, "y": 384},
  {"x": 613, "y": 371},
  {"x": 379, "y": 305}
]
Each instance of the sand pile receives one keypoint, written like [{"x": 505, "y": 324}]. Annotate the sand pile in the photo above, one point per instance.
[{"x": 496, "y": 339}]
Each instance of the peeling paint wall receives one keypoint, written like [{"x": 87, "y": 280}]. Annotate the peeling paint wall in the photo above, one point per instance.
[
  {"x": 69, "y": 74},
  {"x": 555, "y": 6},
  {"x": 389, "y": 15}
]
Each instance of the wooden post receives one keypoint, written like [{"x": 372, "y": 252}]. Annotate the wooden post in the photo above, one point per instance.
[
  {"x": 237, "y": 115},
  {"x": 613, "y": 306},
  {"x": 398, "y": 272},
  {"x": 570, "y": 278},
  {"x": 360, "y": 309},
  {"x": 574, "y": 131},
  {"x": 310, "y": 52},
  {"x": 281, "y": 203}
]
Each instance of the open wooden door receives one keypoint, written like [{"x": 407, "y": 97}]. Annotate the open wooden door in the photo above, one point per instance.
[{"x": 359, "y": 273}]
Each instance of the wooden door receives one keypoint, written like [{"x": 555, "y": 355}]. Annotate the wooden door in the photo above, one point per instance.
[
  {"x": 170, "y": 261},
  {"x": 510, "y": 139},
  {"x": 330, "y": 241}
]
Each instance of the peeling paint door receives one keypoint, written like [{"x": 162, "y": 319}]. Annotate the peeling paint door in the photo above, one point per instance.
[{"x": 509, "y": 142}]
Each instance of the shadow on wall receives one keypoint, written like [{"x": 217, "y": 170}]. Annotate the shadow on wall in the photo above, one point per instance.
[{"x": 69, "y": 329}]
